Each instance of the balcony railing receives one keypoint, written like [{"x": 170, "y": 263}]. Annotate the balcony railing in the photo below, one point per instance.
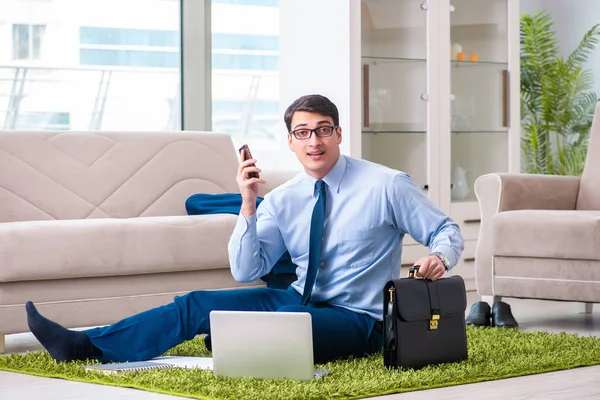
[
  {"x": 107, "y": 98},
  {"x": 88, "y": 98}
]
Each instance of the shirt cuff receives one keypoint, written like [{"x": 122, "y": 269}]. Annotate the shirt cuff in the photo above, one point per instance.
[
  {"x": 449, "y": 252},
  {"x": 243, "y": 224}
]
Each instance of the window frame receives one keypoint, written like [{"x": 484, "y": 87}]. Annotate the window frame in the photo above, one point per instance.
[{"x": 196, "y": 70}]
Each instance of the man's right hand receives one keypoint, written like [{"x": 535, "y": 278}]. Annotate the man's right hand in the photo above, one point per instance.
[{"x": 248, "y": 186}]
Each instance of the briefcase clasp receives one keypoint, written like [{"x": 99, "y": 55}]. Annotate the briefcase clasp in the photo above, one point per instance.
[{"x": 433, "y": 322}]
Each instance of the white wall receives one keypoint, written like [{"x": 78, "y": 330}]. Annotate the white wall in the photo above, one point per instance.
[{"x": 573, "y": 18}]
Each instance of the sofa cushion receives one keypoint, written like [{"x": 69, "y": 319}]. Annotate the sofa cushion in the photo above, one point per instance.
[
  {"x": 35, "y": 250},
  {"x": 547, "y": 234}
]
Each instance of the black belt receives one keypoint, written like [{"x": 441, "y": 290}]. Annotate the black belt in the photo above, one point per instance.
[{"x": 379, "y": 325}]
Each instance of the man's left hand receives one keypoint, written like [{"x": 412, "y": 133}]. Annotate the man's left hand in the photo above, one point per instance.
[{"x": 431, "y": 267}]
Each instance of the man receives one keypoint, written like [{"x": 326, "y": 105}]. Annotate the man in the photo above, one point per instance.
[{"x": 342, "y": 220}]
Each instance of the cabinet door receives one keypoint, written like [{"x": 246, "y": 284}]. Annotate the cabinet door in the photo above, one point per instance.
[
  {"x": 394, "y": 54},
  {"x": 479, "y": 83}
]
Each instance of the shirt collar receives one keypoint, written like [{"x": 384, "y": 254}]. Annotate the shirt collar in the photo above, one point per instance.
[{"x": 334, "y": 178}]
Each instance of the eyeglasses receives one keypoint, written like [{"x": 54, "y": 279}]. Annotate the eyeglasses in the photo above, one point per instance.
[{"x": 305, "y": 133}]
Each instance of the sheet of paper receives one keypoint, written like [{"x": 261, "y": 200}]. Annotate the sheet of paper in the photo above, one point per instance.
[{"x": 185, "y": 362}]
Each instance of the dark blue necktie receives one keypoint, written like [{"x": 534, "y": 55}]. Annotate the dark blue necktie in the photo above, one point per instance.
[{"x": 316, "y": 240}]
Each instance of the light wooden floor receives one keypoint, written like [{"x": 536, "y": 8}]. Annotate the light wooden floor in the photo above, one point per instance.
[{"x": 580, "y": 383}]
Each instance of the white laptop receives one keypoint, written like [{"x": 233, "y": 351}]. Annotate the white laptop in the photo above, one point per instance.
[{"x": 258, "y": 344}]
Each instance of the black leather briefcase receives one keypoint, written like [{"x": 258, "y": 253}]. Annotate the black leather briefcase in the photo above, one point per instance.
[{"x": 424, "y": 321}]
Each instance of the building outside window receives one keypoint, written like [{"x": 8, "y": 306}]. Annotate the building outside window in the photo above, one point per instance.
[
  {"x": 126, "y": 47},
  {"x": 27, "y": 41},
  {"x": 98, "y": 65}
]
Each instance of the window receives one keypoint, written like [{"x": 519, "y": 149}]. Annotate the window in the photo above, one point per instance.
[
  {"x": 245, "y": 76},
  {"x": 142, "y": 52},
  {"x": 99, "y": 69},
  {"x": 27, "y": 41}
]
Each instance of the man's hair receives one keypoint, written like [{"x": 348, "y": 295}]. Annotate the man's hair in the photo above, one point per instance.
[{"x": 313, "y": 103}]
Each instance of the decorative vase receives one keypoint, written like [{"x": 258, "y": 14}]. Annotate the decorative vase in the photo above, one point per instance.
[
  {"x": 460, "y": 183},
  {"x": 454, "y": 50}
]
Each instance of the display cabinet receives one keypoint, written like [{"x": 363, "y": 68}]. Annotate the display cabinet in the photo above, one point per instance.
[{"x": 439, "y": 86}]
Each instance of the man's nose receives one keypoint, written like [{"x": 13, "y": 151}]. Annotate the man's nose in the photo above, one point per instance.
[{"x": 314, "y": 139}]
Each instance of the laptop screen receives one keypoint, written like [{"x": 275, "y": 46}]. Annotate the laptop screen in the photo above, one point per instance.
[{"x": 260, "y": 344}]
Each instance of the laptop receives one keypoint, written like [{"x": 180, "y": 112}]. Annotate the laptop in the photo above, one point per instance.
[{"x": 260, "y": 344}]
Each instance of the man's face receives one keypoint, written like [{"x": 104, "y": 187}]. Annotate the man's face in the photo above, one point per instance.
[{"x": 317, "y": 155}]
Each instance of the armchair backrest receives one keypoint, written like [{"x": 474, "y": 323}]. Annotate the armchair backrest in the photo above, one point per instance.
[{"x": 589, "y": 188}]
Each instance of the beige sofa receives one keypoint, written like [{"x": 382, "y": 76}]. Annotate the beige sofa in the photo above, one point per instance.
[
  {"x": 540, "y": 234},
  {"x": 93, "y": 225}
]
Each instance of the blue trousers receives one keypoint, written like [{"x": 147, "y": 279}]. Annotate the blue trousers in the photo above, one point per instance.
[{"x": 337, "y": 332}]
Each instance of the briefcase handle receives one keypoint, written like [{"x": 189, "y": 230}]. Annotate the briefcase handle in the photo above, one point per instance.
[
  {"x": 435, "y": 312},
  {"x": 412, "y": 271}
]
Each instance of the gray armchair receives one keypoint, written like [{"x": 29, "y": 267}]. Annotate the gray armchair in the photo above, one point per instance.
[{"x": 540, "y": 234}]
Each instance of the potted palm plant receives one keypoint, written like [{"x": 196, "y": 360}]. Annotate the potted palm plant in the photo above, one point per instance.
[{"x": 557, "y": 102}]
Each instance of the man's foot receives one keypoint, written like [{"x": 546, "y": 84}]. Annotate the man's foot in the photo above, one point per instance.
[
  {"x": 208, "y": 342},
  {"x": 62, "y": 343},
  {"x": 479, "y": 315},
  {"x": 502, "y": 316}
]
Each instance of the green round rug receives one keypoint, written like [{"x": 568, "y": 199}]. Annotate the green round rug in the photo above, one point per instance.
[{"x": 493, "y": 354}]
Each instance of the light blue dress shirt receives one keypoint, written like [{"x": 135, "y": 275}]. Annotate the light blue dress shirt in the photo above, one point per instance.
[{"x": 369, "y": 210}]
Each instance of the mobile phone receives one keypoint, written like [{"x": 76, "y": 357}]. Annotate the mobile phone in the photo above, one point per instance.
[{"x": 247, "y": 156}]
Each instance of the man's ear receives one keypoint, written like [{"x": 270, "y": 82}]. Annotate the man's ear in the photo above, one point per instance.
[
  {"x": 291, "y": 146},
  {"x": 339, "y": 134}
]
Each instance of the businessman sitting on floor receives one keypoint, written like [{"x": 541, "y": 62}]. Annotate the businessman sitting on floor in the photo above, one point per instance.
[{"x": 342, "y": 221}]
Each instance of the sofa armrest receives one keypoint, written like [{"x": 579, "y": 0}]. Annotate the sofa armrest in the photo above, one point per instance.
[
  {"x": 274, "y": 178},
  {"x": 505, "y": 192}
]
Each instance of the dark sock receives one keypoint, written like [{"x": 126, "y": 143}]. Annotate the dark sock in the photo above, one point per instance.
[
  {"x": 208, "y": 342},
  {"x": 62, "y": 343}
]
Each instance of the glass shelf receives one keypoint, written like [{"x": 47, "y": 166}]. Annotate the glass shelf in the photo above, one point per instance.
[
  {"x": 395, "y": 128},
  {"x": 496, "y": 64},
  {"x": 375, "y": 132},
  {"x": 406, "y": 131},
  {"x": 480, "y": 131},
  {"x": 374, "y": 59},
  {"x": 471, "y": 198}
]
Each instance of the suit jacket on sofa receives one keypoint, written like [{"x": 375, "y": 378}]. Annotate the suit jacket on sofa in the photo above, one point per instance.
[{"x": 283, "y": 272}]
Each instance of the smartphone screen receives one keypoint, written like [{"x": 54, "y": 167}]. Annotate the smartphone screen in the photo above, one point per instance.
[{"x": 247, "y": 156}]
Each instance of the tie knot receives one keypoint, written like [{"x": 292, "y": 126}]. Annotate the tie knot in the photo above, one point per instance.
[{"x": 320, "y": 185}]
